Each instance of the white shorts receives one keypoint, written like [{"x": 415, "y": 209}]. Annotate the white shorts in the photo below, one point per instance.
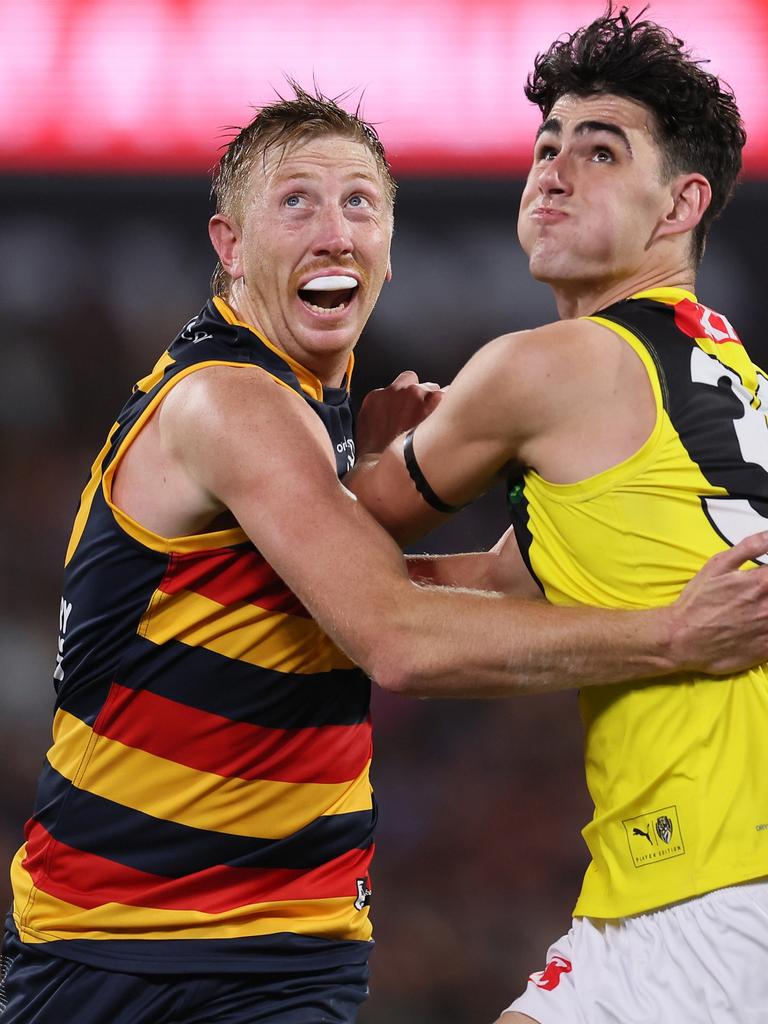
[{"x": 703, "y": 961}]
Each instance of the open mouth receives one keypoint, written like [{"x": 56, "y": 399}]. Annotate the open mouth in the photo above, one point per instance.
[{"x": 329, "y": 294}]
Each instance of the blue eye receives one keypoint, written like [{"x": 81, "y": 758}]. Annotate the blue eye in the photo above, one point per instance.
[
  {"x": 293, "y": 201},
  {"x": 358, "y": 201}
]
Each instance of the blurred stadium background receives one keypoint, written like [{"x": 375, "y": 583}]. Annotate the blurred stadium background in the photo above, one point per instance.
[{"x": 111, "y": 113}]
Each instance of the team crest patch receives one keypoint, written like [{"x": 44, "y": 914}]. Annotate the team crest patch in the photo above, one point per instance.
[
  {"x": 699, "y": 321},
  {"x": 549, "y": 978},
  {"x": 654, "y": 836}
]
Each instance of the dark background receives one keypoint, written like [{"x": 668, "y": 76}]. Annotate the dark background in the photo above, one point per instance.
[{"x": 479, "y": 855}]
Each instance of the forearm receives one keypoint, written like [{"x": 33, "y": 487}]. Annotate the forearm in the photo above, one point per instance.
[
  {"x": 470, "y": 644},
  {"x": 460, "y": 644}
]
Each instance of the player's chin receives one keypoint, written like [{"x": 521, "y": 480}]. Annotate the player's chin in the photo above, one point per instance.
[
  {"x": 548, "y": 265},
  {"x": 329, "y": 338}
]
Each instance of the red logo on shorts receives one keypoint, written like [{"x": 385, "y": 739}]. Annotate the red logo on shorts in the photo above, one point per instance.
[
  {"x": 549, "y": 978},
  {"x": 699, "y": 321}
]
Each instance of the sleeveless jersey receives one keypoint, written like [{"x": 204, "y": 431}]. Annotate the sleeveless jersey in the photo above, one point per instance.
[
  {"x": 205, "y": 805},
  {"x": 674, "y": 766}
]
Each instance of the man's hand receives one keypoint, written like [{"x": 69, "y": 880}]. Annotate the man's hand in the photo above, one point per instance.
[
  {"x": 722, "y": 614},
  {"x": 387, "y": 412}
]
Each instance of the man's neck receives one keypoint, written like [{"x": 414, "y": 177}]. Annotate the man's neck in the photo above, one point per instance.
[
  {"x": 582, "y": 300},
  {"x": 330, "y": 369}
]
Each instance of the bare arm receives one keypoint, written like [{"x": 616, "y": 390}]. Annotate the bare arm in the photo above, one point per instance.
[
  {"x": 488, "y": 415},
  {"x": 251, "y": 446},
  {"x": 501, "y": 569},
  {"x": 529, "y": 400}
]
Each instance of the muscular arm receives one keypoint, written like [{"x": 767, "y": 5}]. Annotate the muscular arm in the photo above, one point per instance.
[
  {"x": 248, "y": 445},
  {"x": 530, "y": 399}
]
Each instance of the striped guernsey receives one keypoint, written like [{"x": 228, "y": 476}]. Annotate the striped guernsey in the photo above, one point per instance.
[{"x": 205, "y": 805}]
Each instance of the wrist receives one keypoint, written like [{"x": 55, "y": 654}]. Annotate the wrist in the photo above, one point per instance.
[{"x": 675, "y": 639}]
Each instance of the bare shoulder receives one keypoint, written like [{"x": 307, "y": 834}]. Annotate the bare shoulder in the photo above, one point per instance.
[
  {"x": 557, "y": 343},
  {"x": 223, "y": 409},
  {"x": 217, "y": 432},
  {"x": 233, "y": 429},
  {"x": 218, "y": 395},
  {"x": 525, "y": 375}
]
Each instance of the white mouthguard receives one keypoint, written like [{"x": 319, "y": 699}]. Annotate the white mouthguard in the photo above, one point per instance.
[{"x": 329, "y": 284}]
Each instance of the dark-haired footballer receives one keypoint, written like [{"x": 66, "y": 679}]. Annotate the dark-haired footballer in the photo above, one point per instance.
[{"x": 637, "y": 426}]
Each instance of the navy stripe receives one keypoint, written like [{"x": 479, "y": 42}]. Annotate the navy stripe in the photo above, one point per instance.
[
  {"x": 86, "y": 702},
  {"x": 109, "y": 583},
  {"x": 103, "y": 827},
  {"x": 280, "y": 953},
  {"x": 208, "y": 681}
]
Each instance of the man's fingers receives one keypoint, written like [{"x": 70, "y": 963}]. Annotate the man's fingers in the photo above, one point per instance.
[
  {"x": 405, "y": 378},
  {"x": 746, "y": 550},
  {"x": 409, "y": 378}
]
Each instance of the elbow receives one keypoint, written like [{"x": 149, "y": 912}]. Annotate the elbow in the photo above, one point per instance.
[
  {"x": 399, "y": 648},
  {"x": 395, "y": 666},
  {"x": 395, "y": 679}
]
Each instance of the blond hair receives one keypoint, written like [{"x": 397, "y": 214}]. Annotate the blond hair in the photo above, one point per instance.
[{"x": 279, "y": 124}]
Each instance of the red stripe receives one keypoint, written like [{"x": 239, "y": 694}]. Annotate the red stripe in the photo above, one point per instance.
[
  {"x": 229, "y": 576},
  {"x": 88, "y": 880},
  {"x": 212, "y": 743}
]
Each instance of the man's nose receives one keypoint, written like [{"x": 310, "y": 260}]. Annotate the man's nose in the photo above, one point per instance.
[
  {"x": 333, "y": 235},
  {"x": 555, "y": 177}
]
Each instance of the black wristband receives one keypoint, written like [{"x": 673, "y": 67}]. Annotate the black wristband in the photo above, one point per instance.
[{"x": 420, "y": 482}]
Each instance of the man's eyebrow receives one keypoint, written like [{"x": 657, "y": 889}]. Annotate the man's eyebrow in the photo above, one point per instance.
[
  {"x": 585, "y": 127},
  {"x": 553, "y": 125}
]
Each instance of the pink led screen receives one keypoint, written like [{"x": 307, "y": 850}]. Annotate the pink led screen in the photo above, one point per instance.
[{"x": 150, "y": 85}]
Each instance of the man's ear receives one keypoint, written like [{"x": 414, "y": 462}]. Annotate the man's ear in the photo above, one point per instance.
[
  {"x": 225, "y": 238},
  {"x": 691, "y": 195}
]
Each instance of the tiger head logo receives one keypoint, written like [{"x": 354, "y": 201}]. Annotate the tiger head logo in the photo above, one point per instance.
[{"x": 664, "y": 828}]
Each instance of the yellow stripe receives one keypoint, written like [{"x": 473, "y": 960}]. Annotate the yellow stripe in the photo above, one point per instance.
[
  {"x": 47, "y": 918},
  {"x": 158, "y": 370},
  {"x": 670, "y": 296},
  {"x": 89, "y": 493},
  {"x": 194, "y": 542},
  {"x": 86, "y": 499},
  {"x": 173, "y": 792},
  {"x": 242, "y": 632},
  {"x": 145, "y": 536}
]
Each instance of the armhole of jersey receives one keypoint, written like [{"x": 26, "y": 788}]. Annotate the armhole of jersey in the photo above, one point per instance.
[
  {"x": 134, "y": 529},
  {"x": 600, "y": 482},
  {"x": 645, "y": 351}
]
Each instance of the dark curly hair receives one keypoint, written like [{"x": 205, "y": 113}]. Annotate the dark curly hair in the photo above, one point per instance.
[
  {"x": 697, "y": 124},
  {"x": 279, "y": 124}
]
